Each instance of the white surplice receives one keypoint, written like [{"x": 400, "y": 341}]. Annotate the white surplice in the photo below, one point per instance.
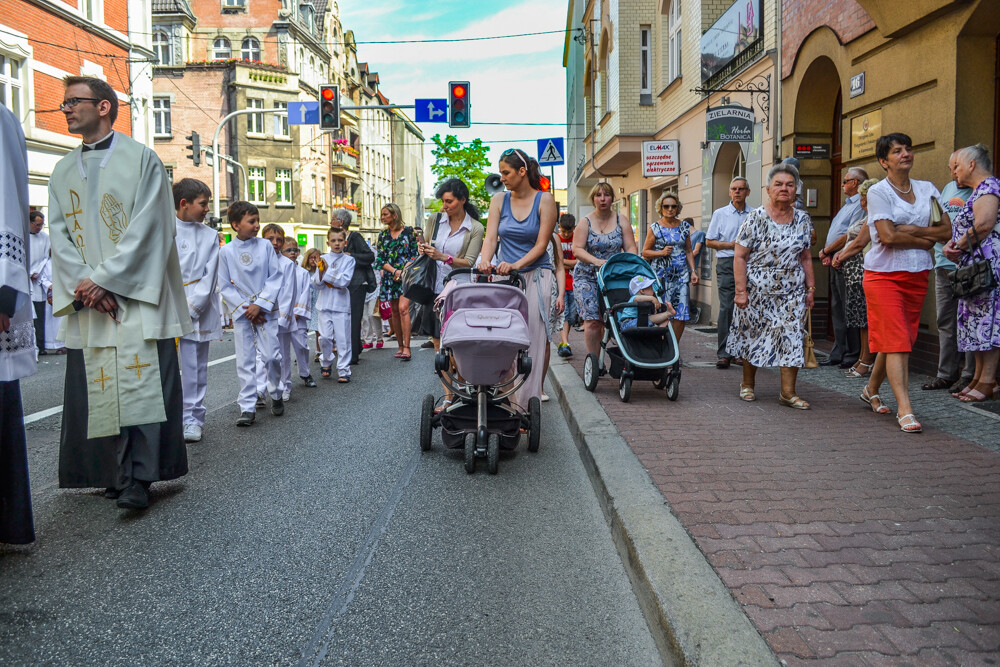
[
  {"x": 17, "y": 344},
  {"x": 40, "y": 247},
  {"x": 198, "y": 252}
]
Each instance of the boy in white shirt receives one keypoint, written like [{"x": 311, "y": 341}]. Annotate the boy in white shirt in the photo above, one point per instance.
[
  {"x": 334, "y": 304},
  {"x": 198, "y": 251},
  {"x": 249, "y": 283},
  {"x": 301, "y": 312},
  {"x": 275, "y": 235}
]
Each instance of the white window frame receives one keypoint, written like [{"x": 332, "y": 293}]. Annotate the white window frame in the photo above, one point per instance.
[
  {"x": 257, "y": 182},
  {"x": 645, "y": 60},
  {"x": 283, "y": 187},
  {"x": 249, "y": 47},
  {"x": 222, "y": 48},
  {"x": 234, "y": 4},
  {"x": 163, "y": 47},
  {"x": 12, "y": 83},
  {"x": 323, "y": 203},
  {"x": 674, "y": 41},
  {"x": 255, "y": 121},
  {"x": 281, "y": 129},
  {"x": 162, "y": 126}
]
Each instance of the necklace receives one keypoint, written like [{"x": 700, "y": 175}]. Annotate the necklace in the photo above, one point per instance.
[
  {"x": 601, "y": 226},
  {"x": 900, "y": 190}
]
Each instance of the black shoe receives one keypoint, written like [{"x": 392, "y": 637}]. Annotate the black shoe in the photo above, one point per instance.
[
  {"x": 847, "y": 364},
  {"x": 246, "y": 419},
  {"x": 309, "y": 381},
  {"x": 111, "y": 493},
  {"x": 354, "y": 362},
  {"x": 135, "y": 497},
  {"x": 830, "y": 362},
  {"x": 277, "y": 407},
  {"x": 960, "y": 384},
  {"x": 261, "y": 400},
  {"x": 722, "y": 363},
  {"x": 427, "y": 344}
]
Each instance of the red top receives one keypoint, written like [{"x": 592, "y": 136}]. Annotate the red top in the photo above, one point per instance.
[{"x": 567, "y": 249}]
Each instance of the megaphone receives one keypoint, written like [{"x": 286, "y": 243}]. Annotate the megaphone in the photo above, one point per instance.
[{"x": 493, "y": 184}]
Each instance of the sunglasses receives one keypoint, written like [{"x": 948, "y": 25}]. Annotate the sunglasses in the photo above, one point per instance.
[
  {"x": 73, "y": 101},
  {"x": 670, "y": 206},
  {"x": 521, "y": 155},
  {"x": 849, "y": 180}
]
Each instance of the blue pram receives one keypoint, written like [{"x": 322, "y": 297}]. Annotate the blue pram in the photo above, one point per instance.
[{"x": 644, "y": 352}]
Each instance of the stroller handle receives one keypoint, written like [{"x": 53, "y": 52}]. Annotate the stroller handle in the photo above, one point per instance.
[{"x": 480, "y": 276}]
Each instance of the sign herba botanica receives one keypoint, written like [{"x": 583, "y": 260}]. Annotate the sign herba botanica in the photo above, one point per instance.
[{"x": 729, "y": 123}]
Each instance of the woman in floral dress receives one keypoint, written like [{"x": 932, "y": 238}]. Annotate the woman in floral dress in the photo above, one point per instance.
[
  {"x": 774, "y": 287},
  {"x": 396, "y": 247},
  {"x": 978, "y": 315},
  {"x": 600, "y": 235},
  {"x": 668, "y": 250}
]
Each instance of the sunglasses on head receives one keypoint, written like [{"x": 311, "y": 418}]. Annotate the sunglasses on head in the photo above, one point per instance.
[{"x": 518, "y": 152}]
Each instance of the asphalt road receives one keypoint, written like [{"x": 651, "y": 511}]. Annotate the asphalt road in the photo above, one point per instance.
[{"x": 323, "y": 537}]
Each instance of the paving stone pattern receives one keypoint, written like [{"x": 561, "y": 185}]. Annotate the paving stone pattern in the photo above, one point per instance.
[{"x": 845, "y": 540}]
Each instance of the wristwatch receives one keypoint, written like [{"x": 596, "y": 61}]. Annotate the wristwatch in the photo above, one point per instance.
[{"x": 449, "y": 260}]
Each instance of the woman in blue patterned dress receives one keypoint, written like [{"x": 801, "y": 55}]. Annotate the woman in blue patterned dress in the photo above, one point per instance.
[
  {"x": 668, "y": 250},
  {"x": 600, "y": 235},
  {"x": 978, "y": 315},
  {"x": 774, "y": 287}
]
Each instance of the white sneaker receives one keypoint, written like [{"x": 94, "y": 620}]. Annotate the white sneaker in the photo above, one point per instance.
[
  {"x": 545, "y": 397},
  {"x": 286, "y": 395},
  {"x": 192, "y": 433}
]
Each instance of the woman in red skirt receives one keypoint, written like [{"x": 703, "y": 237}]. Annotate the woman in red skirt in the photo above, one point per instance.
[{"x": 896, "y": 270}]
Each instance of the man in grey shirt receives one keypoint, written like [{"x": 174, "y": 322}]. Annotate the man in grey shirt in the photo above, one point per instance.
[
  {"x": 721, "y": 237},
  {"x": 847, "y": 340}
]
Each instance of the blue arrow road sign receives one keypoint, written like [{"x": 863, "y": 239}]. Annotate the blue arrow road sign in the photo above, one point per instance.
[
  {"x": 430, "y": 111},
  {"x": 303, "y": 113},
  {"x": 550, "y": 152}
]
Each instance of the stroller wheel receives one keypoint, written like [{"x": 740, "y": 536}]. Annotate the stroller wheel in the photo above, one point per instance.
[
  {"x": 673, "y": 387},
  {"x": 426, "y": 427},
  {"x": 625, "y": 388},
  {"x": 591, "y": 372},
  {"x": 534, "y": 423},
  {"x": 493, "y": 454},
  {"x": 470, "y": 453}
]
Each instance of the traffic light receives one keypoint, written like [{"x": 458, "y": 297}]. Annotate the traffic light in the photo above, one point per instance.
[
  {"x": 329, "y": 107},
  {"x": 458, "y": 104},
  {"x": 194, "y": 147}
]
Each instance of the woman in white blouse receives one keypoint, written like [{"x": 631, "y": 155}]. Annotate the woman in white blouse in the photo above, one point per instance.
[{"x": 896, "y": 270}]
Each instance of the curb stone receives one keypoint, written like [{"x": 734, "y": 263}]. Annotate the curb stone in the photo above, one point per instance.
[{"x": 692, "y": 615}]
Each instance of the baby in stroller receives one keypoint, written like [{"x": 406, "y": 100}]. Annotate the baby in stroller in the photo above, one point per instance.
[{"x": 641, "y": 289}]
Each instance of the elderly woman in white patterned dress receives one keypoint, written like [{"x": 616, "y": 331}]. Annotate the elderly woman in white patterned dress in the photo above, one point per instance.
[{"x": 774, "y": 287}]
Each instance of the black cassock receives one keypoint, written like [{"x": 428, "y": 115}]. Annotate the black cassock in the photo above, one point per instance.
[{"x": 16, "y": 526}]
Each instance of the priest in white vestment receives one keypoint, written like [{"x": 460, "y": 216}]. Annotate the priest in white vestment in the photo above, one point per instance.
[
  {"x": 39, "y": 246},
  {"x": 116, "y": 280},
  {"x": 17, "y": 334}
]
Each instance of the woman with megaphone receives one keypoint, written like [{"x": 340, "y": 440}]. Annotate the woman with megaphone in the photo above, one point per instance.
[{"x": 521, "y": 223}]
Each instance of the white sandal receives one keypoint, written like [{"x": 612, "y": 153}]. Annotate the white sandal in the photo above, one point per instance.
[
  {"x": 881, "y": 409},
  {"x": 912, "y": 425}
]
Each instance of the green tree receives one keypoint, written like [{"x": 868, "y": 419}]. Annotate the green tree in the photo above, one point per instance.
[{"x": 453, "y": 159}]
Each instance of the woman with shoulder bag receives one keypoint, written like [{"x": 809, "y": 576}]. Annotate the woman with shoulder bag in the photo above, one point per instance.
[
  {"x": 976, "y": 240},
  {"x": 397, "y": 247}
]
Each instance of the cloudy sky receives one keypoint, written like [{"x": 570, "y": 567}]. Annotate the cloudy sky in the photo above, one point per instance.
[{"x": 517, "y": 80}]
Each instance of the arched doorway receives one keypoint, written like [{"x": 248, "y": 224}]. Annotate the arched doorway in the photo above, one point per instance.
[{"x": 729, "y": 163}]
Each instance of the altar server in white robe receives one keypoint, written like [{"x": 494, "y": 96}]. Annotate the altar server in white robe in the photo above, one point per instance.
[
  {"x": 198, "y": 250},
  {"x": 296, "y": 338},
  {"x": 40, "y": 250},
  {"x": 17, "y": 334},
  {"x": 53, "y": 344},
  {"x": 275, "y": 235},
  {"x": 334, "y": 303},
  {"x": 249, "y": 281},
  {"x": 117, "y": 281}
]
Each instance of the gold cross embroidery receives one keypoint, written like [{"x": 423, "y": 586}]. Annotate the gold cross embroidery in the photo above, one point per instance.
[
  {"x": 102, "y": 379},
  {"x": 137, "y": 367}
]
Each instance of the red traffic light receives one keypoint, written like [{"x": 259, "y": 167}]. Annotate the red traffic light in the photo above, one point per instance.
[
  {"x": 458, "y": 91},
  {"x": 327, "y": 93}
]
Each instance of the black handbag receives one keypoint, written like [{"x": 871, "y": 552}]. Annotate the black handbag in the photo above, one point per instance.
[
  {"x": 977, "y": 277},
  {"x": 419, "y": 277}
]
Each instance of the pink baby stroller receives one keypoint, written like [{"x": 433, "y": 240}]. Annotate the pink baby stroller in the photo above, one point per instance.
[{"x": 483, "y": 360}]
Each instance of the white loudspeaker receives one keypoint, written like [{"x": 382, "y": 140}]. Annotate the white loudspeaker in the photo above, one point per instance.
[{"x": 493, "y": 184}]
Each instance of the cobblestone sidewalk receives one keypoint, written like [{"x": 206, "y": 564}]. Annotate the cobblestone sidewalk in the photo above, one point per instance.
[{"x": 844, "y": 539}]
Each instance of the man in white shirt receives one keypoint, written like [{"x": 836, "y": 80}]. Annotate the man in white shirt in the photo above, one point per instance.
[
  {"x": 721, "y": 237},
  {"x": 847, "y": 340},
  {"x": 40, "y": 250}
]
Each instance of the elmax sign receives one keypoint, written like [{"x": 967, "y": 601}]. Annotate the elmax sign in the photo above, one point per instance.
[
  {"x": 659, "y": 158},
  {"x": 729, "y": 123}
]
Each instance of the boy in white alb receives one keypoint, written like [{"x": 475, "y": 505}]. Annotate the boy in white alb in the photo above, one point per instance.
[
  {"x": 198, "y": 251},
  {"x": 275, "y": 235},
  {"x": 249, "y": 282},
  {"x": 301, "y": 312},
  {"x": 334, "y": 305}
]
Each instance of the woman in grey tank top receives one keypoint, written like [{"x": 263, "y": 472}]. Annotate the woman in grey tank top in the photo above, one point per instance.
[{"x": 521, "y": 222}]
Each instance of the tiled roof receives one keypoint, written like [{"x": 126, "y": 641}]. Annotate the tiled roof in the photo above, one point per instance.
[{"x": 171, "y": 7}]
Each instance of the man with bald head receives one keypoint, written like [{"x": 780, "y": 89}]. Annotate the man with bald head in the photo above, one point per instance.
[{"x": 847, "y": 340}]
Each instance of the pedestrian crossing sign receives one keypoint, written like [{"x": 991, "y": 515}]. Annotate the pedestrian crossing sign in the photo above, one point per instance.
[{"x": 550, "y": 152}]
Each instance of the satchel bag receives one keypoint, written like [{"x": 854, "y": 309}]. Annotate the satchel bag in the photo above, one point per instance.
[
  {"x": 810, "y": 354},
  {"x": 419, "y": 279},
  {"x": 976, "y": 278}
]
